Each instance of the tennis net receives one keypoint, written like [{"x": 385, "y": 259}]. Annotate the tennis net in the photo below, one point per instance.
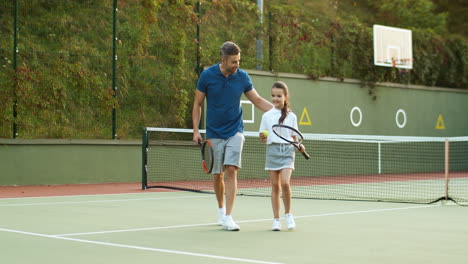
[{"x": 342, "y": 167}]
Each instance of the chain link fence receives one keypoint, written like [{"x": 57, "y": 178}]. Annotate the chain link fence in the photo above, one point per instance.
[{"x": 106, "y": 69}]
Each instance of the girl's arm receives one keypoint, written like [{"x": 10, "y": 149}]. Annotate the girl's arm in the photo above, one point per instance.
[{"x": 263, "y": 127}]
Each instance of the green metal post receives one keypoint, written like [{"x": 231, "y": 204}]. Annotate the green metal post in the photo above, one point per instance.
[
  {"x": 114, "y": 65},
  {"x": 144, "y": 160},
  {"x": 270, "y": 42},
  {"x": 259, "y": 47},
  {"x": 15, "y": 63},
  {"x": 199, "y": 67}
]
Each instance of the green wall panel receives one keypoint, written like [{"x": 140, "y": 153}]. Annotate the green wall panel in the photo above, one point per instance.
[
  {"x": 54, "y": 162},
  {"x": 329, "y": 105}
]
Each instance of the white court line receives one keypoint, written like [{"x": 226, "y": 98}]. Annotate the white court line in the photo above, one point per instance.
[
  {"x": 106, "y": 201},
  {"x": 78, "y": 195},
  {"x": 85, "y": 195},
  {"x": 244, "y": 221},
  {"x": 142, "y": 248},
  {"x": 135, "y": 229},
  {"x": 369, "y": 211}
]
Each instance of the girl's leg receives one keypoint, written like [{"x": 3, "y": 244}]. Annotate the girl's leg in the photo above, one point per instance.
[
  {"x": 275, "y": 192},
  {"x": 285, "y": 175}
]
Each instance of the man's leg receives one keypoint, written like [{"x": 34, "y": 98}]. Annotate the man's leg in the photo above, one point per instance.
[
  {"x": 218, "y": 177},
  {"x": 231, "y": 187},
  {"x": 231, "y": 191},
  {"x": 218, "y": 185},
  {"x": 232, "y": 163}
]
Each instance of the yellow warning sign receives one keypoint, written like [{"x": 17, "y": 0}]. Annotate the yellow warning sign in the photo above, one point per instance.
[
  {"x": 440, "y": 122},
  {"x": 305, "y": 119}
]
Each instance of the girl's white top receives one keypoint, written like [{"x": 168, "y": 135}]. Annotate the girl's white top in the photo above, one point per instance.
[{"x": 271, "y": 118}]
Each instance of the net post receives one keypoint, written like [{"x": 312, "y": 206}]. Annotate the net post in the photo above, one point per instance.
[
  {"x": 144, "y": 160},
  {"x": 446, "y": 167},
  {"x": 380, "y": 158},
  {"x": 15, "y": 66},
  {"x": 114, "y": 67}
]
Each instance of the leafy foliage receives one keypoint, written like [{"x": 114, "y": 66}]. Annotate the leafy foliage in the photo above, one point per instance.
[{"x": 63, "y": 82}]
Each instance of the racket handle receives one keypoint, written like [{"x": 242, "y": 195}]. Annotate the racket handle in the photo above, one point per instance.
[{"x": 305, "y": 154}]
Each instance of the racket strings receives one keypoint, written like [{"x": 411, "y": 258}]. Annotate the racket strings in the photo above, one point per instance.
[
  {"x": 287, "y": 134},
  {"x": 208, "y": 151}
]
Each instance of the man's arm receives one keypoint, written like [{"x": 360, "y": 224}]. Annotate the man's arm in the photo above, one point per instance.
[
  {"x": 196, "y": 114},
  {"x": 258, "y": 101}
]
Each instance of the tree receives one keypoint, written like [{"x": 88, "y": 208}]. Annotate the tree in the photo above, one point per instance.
[{"x": 409, "y": 14}]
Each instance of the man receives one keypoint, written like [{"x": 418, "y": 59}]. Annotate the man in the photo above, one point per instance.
[{"x": 223, "y": 85}]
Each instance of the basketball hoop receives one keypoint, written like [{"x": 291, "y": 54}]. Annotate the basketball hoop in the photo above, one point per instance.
[{"x": 393, "y": 47}]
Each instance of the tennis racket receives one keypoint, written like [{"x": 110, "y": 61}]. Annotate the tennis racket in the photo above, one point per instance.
[
  {"x": 206, "y": 148},
  {"x": 284, "y": 132}
]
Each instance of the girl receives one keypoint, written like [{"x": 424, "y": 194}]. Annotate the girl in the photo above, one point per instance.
[{"x": 279, "y": 155}]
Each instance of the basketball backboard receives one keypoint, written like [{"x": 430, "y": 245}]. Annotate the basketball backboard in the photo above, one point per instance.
[{"x": 393, "y": 47}]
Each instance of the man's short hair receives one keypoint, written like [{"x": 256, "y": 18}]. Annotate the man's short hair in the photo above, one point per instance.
[{"x": 229, "y": 48}]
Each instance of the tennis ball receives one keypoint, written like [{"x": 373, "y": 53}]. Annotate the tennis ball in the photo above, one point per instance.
[{"x": 265, "y": 133}]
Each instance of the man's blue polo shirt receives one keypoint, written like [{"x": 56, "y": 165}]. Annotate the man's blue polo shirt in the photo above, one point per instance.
[{"x": 224, "y": 111}]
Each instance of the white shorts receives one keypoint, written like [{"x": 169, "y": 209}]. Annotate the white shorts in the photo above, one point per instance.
[{"x": 227, "y": 152}]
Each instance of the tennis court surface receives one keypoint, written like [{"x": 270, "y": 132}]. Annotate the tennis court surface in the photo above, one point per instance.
[{"x": 179, "y": 227}]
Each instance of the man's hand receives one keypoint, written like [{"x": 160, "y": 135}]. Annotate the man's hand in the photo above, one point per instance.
[{"x": 197, "y": 137}]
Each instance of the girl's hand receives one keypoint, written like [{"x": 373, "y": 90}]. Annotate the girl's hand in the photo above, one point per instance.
[
  {"x": 263, "y": 138},
  {"x": 301, "y": 148}
]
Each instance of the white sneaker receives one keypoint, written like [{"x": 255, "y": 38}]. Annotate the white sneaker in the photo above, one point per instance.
[
  {"x": 221, "y": 213},
  {"x": 276, "y": 225},
  {"x": 290, "y": 221},
  {"x": 229, "y": 224}
]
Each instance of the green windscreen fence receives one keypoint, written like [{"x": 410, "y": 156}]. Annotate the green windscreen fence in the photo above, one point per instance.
[
  {"x": 83, "y": 69},
  {"x": 344, "y": 167},
  {"x": 63, "y": 79}
]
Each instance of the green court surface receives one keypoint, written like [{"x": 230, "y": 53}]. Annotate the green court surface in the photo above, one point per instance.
[{"x": 179, "y": 227}]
